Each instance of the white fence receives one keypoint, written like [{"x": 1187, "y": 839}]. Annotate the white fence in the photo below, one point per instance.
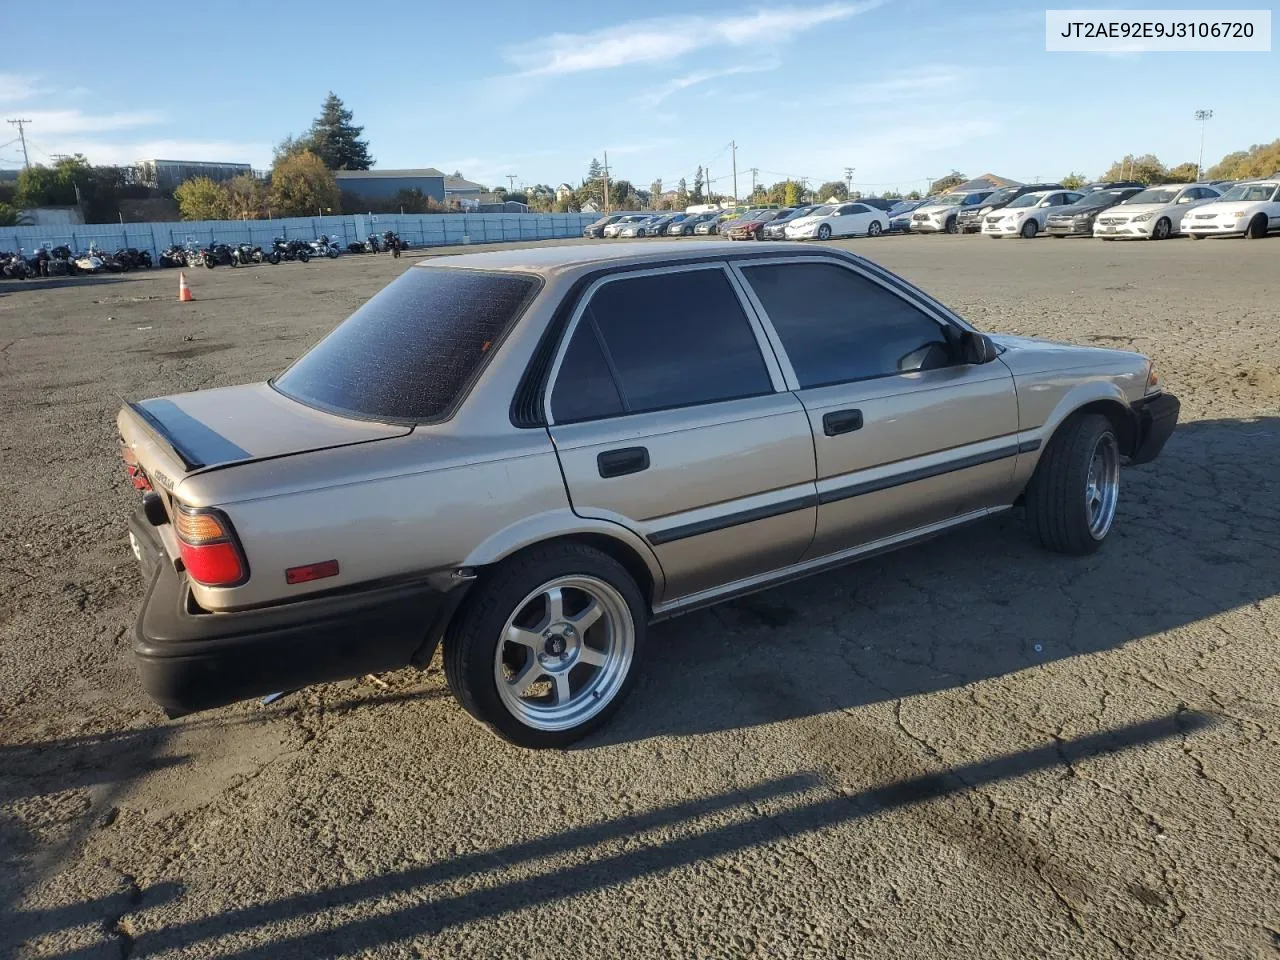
[{"x": 423, "y": 230}]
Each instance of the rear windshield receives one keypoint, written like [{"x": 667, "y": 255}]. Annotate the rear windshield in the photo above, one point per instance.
[{"x": 409, "y": 352}]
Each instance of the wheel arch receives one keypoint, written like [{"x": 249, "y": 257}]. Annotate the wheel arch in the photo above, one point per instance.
[
  {"x": 1111, "y": 405},
  {"x": 613, "y": 539}
]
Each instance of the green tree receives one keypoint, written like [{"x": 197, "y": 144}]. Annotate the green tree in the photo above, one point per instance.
[
  {"x": 891, "y": 195},
  {"x": 202, "y": 199},
  {"x": 682, "y": 194},
  {"x": 698, "y": 179},
  {"x": 245, "y": 197},
  {"x": 1145, "y": 169},
  {"x": 949, "y": 182},
  {"x": 594, "y": 170},
  {"x": 1074, "y": 181},
  {"x": 336, "y": 140},
  {"x": 1183, "y": 173},
  {"x": 1260, "y": 160},
  {"x": 301, "y": 185},
  {"x": 833, "y": 188},
  {"x": 791, "y": 194},
  {"x": 913, "y": 195},
  {"x": 11, "y": 216}
]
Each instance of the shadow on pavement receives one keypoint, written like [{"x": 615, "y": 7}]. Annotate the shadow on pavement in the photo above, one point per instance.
[
  {"x": 1198, "y": 534},
  {"x": 798, "y": 805}
]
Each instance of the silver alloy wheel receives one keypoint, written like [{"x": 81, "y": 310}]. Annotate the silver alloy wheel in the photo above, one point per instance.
[
  {"x": 873, "y": 229},
  {"x": 565, "y": 653},
  {"x": 1102, "y": 489}
]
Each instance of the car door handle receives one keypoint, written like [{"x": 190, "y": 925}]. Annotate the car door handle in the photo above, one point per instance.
[
  {"x": 841, "y": 421},
  {"x": 618, "y": 463}
]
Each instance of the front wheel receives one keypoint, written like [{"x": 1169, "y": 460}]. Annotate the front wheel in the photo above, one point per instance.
[
  {"x": 1257, "y": 227},
  {"x": 1072, "y": 497},
  {"x": 547, "y": 646},
  {"x": 874, "y": 229},
  {"x": 1029, "y": 229},
  {"x": 1162, "y": 229},
  {"x": 304, "y": 256},
  {"x": 952, "y": 226},
  {"x": 824, "y": 232}
]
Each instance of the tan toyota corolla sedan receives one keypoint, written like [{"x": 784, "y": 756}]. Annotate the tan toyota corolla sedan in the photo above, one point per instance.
[{"x": 532, "y": 454}]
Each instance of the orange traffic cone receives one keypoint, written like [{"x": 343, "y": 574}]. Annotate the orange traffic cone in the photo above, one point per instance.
[{"x": 184, "y": 291}]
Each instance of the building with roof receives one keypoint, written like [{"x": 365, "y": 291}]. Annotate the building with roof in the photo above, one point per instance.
[
  {"x": 168, "y": 174},
  {"x": 386, "y": 184},
  {"x": 988, "y": 181},
  {"x": 458, "y": 189}
]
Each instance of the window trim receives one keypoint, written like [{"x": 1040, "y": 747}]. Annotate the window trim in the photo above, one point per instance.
[
  {"x": 939, "y": 316},
  {"x": 777, "y": 377}
]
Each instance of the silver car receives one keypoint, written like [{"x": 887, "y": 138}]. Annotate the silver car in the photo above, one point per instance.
[{"x": 531, "y": 454}]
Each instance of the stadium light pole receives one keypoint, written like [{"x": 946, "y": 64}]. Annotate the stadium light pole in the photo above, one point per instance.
[{"x": 1204, "y": 116}]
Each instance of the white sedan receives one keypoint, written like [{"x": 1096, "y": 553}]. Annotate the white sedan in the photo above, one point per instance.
[
  {"x": 1154, "y": 214},
  {"x": 632, "y": 225},
  {"x": 1026, "y": 216},
  {"x": 838, "y": 220},
  {"x": 1245, "y": 210}
]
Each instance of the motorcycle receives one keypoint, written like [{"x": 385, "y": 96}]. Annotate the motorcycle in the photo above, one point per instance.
[
  {"x": 174, "y": 256},
  {"x": 356, "y": 247},
  {"x": 282, "y": 249},
  {"x": 391, "y": 234},
  {"x": 217, "y": 255},
  {"x": 134, "y": 258},
  {"x": 14, "y": 266},
  {"x": 322, "y": 246},
  {"x": 373, "y": 244},
  {"x": 245, "y": 254},
  {"x": 89, "y": 262}
]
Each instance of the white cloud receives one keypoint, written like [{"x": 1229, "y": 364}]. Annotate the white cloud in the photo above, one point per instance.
[
  {"x": 665, "y": 39},
  {"x": 651, "y": 98},
  {"x": 16, "y": 86},
  {"x": 51, "y": 123},
  {"x": 112, "y": 153}
]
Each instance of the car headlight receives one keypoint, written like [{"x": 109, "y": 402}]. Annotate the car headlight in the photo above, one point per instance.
[
  {"x": 1240, "y": 213},
  {"x": 1143, "y": 217}
]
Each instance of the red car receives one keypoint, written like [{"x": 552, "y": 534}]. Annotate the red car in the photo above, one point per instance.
[{"x": 748, "y": 226}]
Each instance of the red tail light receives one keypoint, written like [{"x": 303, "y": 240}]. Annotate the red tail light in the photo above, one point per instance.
[
  {"x": 137, "y": 475},
  {"x": 210, "y": 551}
]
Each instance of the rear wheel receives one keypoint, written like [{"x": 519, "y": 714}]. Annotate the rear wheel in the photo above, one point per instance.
[
  {"x": 874, "y": 229},
  {"x": 547, "y": 646},
  {"x": 1072, "y": 497}
]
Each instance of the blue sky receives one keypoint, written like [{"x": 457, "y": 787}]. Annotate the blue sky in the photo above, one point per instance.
[{"x": 901, "y": 90}]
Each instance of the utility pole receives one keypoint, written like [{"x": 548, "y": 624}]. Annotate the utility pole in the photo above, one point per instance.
[
  {"x": 848, "y": 180},
  {"x": 734, "y": 147},
  {"x": 755, "y": 171},
  {"x": 707, "y": 173},
  {"x": 606, "y": 181},
  {"x": 1204, "y": 116},
  {"x": 511, "y": 182},
  {"x": 22, "y": 135}
]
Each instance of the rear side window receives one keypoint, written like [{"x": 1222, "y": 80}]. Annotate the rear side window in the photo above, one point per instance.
[
  {"x": 663, "y": 341},
  {"x": 837, "y": 325},
  {"x": 409, "y": 353}
]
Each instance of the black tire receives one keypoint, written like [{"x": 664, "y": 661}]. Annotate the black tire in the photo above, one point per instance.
[
  {"x": 304, "y": 256},
  {"x": 1162, "y": 229},
  {"x": 471, "y": 641},
  {"x": 1055, "y": 497},
  {"x": 1257, "y": 228},
  {"x": 824, "y": 232},
  {"x": 952, "y": 226},
  {"x": 1029, "y": 230},
  {"x": 874, "y": 229},
  {"x": 639, "y": 233}
]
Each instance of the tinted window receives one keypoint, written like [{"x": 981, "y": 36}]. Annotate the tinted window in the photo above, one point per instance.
[
  {"x": 837, "y": 325},
  {"x": 856, "y": 208},
  {"x": 585, "y": 389},
  {"x": 408, "y": 353},
  {"x": 673, "y": 339}
]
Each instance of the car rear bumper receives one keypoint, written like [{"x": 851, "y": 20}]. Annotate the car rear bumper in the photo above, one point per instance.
[
  {"x": 190, "y": 660},
  {"x": 1157, "y": 417}
]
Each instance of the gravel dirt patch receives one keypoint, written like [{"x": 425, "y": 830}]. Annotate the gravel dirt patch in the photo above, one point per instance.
[{"x": 968, "y": 748}]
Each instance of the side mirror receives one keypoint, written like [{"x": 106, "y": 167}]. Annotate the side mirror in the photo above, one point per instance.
[{"x": 977, "y": 348}]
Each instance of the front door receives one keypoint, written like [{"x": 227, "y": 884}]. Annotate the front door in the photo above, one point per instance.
[
  {"x": 905, "y": 436},
  {"x": 669, "y": 414}
]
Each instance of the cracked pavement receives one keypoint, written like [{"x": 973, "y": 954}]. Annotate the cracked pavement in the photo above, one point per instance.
[{"x": 971, "y": 747}]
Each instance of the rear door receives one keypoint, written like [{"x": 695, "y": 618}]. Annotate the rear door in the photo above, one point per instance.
[
  {"x": 670, "y": 416},
  {"x": 904, "y": 436}
]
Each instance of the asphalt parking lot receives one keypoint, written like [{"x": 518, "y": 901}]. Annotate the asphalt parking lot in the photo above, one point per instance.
[{"x": 970, "y": 748}]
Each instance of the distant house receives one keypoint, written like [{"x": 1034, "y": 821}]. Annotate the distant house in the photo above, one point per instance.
[
  {"x": 459, "y": 189},
  {"x": 590, "y": 206},
  {"x": 385, "y": 184},
  {"x": 988, "y": 181},
  {"x": 563, "y": 192}
]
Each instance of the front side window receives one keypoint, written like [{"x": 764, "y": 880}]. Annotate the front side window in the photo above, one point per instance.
[
  {"x": 837, "y": 325},
  {"x": 408, "y": 353},
  {"x": 657, "y": 342}
]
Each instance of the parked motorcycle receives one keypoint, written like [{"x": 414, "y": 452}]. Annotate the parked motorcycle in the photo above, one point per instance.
[
  {"x": 89, "y": 262},
  {"x": 246, "y": 254},
  {"x": 322, "y": 246},
  {"x": 282, "y": 249},
  {"x": 134, "y": 258},
  {"x": 373, "y": 244},
  {"x": 356, "y": 247},
  {"x": 217, "y": 255},
  {"x": 14, "y": 266},
  {"x": 387, "y": 237},
  {"x": 174, "y": 256}
]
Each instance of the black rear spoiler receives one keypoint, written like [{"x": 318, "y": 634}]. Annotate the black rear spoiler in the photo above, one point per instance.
[{"x": 189, "y": 460}]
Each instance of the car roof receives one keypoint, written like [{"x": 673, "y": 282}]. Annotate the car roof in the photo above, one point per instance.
[{"x": 549, "y": 258}]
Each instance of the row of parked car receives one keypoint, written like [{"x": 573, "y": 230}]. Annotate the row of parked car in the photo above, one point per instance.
[{"x": 1108, "y": 210}]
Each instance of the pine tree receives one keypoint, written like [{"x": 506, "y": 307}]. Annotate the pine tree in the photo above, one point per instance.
[
  {"x": 595, "y": 171},
  {"x": 697, "y": 185},
  {"x": 336, "y": 140}
]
